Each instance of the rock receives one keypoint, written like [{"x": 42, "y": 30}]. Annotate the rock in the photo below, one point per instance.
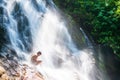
[
  {"x": 20, "y": 72},
  {"x": 4, "y": 77},
  {"x": 3, "y": 74},
  {"x": 2, "y": 71},
  {"x": 29, "y": 73}
]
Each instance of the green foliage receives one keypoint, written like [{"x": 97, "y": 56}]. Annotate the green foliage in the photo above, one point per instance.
[
  {"x": 106, "y": 26},
  {"x": 101, "y": 18}
]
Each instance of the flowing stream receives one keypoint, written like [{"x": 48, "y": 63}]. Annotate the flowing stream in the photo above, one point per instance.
[{"x": 36, "y": 25}]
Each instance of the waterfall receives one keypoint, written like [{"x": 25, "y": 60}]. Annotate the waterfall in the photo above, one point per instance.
[{"x": 36, "y": 25}]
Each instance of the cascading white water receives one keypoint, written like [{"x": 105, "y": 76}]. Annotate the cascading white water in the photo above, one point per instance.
[{"x": 61, "y": 60}]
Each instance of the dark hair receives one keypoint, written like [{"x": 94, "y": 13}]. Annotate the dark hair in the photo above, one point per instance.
[{"x": 39, "y": 53}]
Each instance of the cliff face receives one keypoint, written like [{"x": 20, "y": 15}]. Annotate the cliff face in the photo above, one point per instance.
[{"x": 10, "y": 70}]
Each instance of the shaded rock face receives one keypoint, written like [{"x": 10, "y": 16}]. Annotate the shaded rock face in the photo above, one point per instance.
[
  {"x": 110, "y": 61},
  {"x": 11, "y": 70}
]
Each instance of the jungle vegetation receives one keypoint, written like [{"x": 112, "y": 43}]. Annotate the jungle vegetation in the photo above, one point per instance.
[{"x": 101, "y": 18}]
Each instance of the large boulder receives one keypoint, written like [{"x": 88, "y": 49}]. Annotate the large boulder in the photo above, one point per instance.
[
  {"x": 3, "y": 75},
  {"x": 2, "y": 70}
]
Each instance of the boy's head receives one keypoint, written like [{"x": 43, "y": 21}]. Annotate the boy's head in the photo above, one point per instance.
[{"x": 39, "y": 53}]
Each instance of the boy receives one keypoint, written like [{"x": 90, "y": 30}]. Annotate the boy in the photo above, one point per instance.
[{"x": 34, "y": 58}]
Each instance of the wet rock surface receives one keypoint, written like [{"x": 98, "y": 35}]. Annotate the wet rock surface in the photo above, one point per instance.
[{"x": 11, "y": 70}]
